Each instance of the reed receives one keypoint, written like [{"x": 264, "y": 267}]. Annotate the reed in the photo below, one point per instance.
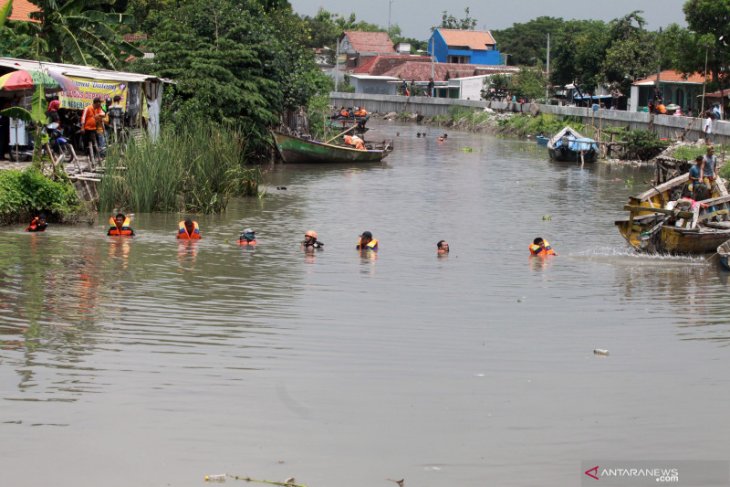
[{"x": 195, "y": 168}]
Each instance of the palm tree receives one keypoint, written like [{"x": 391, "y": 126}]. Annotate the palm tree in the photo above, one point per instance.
[{"x": 79, "y": 32}]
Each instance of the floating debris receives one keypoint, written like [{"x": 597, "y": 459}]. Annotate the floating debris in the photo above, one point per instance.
[
  {"x": 547, "y": 218},
  {"x": 467, "y": 149},
  {"x": 600, "y": 351}
]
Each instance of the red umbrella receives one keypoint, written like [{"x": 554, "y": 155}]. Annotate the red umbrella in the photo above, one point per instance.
[{"x": 27, "y": 80}]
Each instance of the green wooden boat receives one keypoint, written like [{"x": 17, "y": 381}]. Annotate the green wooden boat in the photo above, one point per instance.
[{"x": 296, "y": 150}]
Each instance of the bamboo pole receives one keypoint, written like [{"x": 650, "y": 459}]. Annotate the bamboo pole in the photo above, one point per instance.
[{"x": 340, "y": 134}]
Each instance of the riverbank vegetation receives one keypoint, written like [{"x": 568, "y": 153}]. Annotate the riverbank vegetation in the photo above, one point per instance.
[
  {"x": 195, "y": 168},
  {"x": 28, "y": 192}
]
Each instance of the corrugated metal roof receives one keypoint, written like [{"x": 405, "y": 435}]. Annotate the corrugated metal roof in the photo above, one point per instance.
[
  {"x": 671, "y": 76},
  {"x": 77, "y": 71},
  {"x": 378, "y": 42},
  {"x": 473, "y": 39},
  {"x": 21, "y": 10}
]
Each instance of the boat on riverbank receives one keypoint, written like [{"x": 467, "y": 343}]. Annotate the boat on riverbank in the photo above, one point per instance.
[
  {"x": 298, "y": 150},
  {"x": 569, "y": 145},
  {"x": 724, "y": 252},
  {"x": 660, "y": 221}
]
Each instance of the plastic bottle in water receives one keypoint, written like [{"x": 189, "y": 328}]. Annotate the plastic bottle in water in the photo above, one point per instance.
[{"x": 219, "y": 477}]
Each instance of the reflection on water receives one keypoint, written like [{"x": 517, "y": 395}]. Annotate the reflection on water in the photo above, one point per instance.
[{"x": 187, "y": 358}]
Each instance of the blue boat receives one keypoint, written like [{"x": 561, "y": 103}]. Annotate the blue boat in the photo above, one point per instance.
[
  {"x": 570, "y": 146},
  {"x": 541, "y": 140}
]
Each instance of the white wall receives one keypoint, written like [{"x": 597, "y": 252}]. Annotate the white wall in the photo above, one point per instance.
[{"x": 373, "y": 86}]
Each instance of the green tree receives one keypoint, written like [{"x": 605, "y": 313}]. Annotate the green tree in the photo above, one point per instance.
[
  {"x": 529, "y": 83},
  {"x": 579, "y": 52},
  {"x": 710, "y": 19},
  {"x": 77, "y": 31},
  {"x": 448, "y": 21},
  {"x": 631, "y": 54},
  {"x": 526, "y": 43}
]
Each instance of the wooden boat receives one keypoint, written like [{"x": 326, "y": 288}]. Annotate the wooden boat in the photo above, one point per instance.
[
  {"x": 542, "y": 140},
  {"x": 724, "y": 252},
  {"x": 295, "y": 150},
  {"x": 660, "y": 221},
  {"x": 570, "y": 146}
]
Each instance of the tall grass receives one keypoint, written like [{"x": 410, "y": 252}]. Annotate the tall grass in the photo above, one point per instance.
[{"x": 195, "y": 168}]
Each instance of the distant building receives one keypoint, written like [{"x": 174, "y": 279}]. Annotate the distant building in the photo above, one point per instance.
[
  {"x": 674, "y": 87},
  {"x": 403, "y": 48},
  {"x": 464, "y": 47},
  {"x": 384, "y": 75},
  {"x": 21, "y": 10},
  {"x": 358, "y": 46}
]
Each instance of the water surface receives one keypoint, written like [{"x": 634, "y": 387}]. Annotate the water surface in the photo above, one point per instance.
[{"x": 150, "y": 362}]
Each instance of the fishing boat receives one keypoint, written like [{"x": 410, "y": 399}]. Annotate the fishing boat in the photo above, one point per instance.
[
  {"x": 724, "y": 252},
  {"x": 570, "y": 146},
  {"x": 296, "y": 150},
  {"x": 661, "y": 221},
  {"x": 542, "y": 140}
]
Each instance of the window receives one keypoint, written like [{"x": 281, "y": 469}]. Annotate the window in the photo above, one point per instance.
[
  {"x": 458, "y": 59},
  {"x": 490, "y": 47}
]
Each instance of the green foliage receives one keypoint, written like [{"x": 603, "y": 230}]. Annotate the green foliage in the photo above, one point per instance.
[
  {"x": 324, "y": 29},
  {"x": 710, "y": 19},
  {"x": 5, "y": 12},
  {"x": 642, "y": 144},
  {"x": 529, "y": 83},
  {"x": 690, "y": 152},
  {"x": 545, "y": 124},
  {"x": 526, "y": 43},
  {"x": 233, "y": 64},
  {"x": 318, "y": 111},
  {"x": 448, "y": 21},
  {"x": 75, "y": 31},
  {"x": 497, "y": 86},
  {"x": 194, "y": 168},
  {"x": 23, "y": 193}
]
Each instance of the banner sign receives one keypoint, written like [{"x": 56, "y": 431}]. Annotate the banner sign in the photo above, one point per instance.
[{"x": 88, "y": 89}]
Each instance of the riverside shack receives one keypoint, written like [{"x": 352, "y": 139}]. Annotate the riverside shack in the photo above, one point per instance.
[{"x": 141, "y": 93}]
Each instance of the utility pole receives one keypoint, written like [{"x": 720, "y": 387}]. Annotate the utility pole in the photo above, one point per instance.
[
  {"x": 547, "y": 85},
  {"x": 704, "y": 84},
  {"x": 337, "y": 65},
  {"x": 390, "y": 5}
]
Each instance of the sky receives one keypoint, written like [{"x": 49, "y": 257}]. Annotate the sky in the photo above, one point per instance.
[{"x": 416, "y": 17}]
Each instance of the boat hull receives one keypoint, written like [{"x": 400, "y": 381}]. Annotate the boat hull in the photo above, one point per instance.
[
  {"x": 566, "y": 155},
  {"x": 294, "y": 150}
]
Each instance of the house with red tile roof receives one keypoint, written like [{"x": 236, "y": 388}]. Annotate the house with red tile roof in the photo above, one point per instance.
[
  {"x": 21, "y": 10},
  {"x": 464, "y": 47},
  {"x": 674, "y": 88},
  {"x": 359, "y": 46}
]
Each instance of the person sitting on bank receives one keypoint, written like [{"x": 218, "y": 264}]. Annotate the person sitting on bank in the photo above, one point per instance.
[
  {"x": 247, "y": 237},
  {"x": 188, "y": 230},
  {"x": 541, "y": 247},
  {"x": 310, "y": 241},
  {"x": 442, "y": 247},
  {"x": 709, "y": 171},
  {"x": 120, "y": 226},
  {"x": 344, "y": 112},
  {"x": 37, "y": 224},
  {"x": 354, "y": 141},
  {"x": 367, "y": 242}
]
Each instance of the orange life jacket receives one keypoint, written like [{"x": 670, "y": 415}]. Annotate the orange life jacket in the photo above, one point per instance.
[
  {"x": 354, "y": 141},
  {"x": 182, "y": 232},
  {"x": 345, "y": 113},
  {"x": 371, "y": 245},
  {"x": 36, "y": 225},
  {"x": 361, "y": 113},
  {"x": 88, "y": 119},
  {"x": 542, "y": 249},
  {"x": 245, "y": 242},
  {"x": 125, "y": 231}
]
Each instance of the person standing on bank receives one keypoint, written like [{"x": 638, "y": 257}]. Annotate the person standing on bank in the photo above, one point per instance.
[
  {"x": 707, "y": 127},
  {"x": 709, "y": 171}
]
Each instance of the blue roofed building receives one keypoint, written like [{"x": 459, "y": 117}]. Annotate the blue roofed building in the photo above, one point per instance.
[{"x": 464, "y": 47}]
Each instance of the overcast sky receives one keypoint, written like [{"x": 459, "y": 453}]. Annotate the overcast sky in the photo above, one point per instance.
[{"x": 415, "y": 17}]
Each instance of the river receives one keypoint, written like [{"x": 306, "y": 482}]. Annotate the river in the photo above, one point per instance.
[{"x": 146, "y": 362}]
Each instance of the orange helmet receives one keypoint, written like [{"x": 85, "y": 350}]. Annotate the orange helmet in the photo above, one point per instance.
[{"x": 311, "y": 233}]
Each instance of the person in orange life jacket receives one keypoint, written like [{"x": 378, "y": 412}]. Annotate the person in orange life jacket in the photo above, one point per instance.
[
  {"x": 91, "y": 118},
  {"x": 310, "y": 241},
  {"x": 119, "y": 226},
  {"x": 344, "y": 112},
  {"x": 367, "y": 242},
  {"x": 541, "y": 247},
  {"x": 354, "y": 141},
  {"x": 442, "y": 247},
  {"x": 37, "y": 224},
  {"x": 361, "y": 112},
  {"x": 247, "y": 237},
  {"x": 188, "y": 230}
]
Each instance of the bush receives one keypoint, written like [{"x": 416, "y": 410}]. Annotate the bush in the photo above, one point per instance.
[
  {"x": 24, "y": 193},
  {"x": 642, "y": 144},
  {"x": 194, "y": 168}
]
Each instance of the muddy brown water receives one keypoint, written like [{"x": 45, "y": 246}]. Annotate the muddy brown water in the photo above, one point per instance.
[{"x": 146, "y": 362}]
